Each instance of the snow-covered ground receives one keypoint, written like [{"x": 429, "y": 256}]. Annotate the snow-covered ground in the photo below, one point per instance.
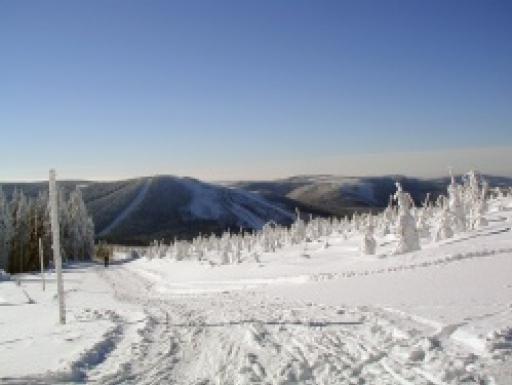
[{"x": 308, "y": 314}]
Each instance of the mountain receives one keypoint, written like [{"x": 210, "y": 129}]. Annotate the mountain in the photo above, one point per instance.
[
  {"x": 168, "y": 207},
  {"x": 138, "y": 211},
  {"x": 339, "y": 194}
]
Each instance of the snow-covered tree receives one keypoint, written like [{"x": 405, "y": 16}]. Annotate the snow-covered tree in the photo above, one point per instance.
[
  {"x": 5, "y": 231},
  {"x": 478, "y": 219},
  {"x": 368, "y": 242},
  {"x": 386, "y": 219},
  {"x": 24, "y": 220},
  {"x": 64, "y": 225},
  {"x": 19, "y": 207},
  {"x": 456, "y": 205},
  {"x": 423, "y": 218},
  {"x": 81, "y": 228},
  {"x": 475, "y": 200},
  {"x": 298, "y": 229},
  {"x": 443, "y": 228},
  {"x": 407, "y": 234},
  {"x": 422, "y": 224}
]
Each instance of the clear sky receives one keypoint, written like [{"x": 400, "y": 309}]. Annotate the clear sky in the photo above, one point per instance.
[{"x": 253, "y": 89}]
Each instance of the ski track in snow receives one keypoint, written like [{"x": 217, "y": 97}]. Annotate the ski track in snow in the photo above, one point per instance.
[
  {"x": 249, "y": 338},
  {"x": 128, "y": 210},
  {"x": 434, "y": 262}
]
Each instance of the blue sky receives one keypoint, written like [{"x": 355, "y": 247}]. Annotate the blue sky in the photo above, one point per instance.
[{"x": 238, "y": 89}]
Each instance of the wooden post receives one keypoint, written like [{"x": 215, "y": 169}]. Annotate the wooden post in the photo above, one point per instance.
[
  {"x": 41, "y": 262},
  {"x": 54, "y": 216}
]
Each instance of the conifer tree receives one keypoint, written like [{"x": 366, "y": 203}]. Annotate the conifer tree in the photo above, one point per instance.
[
  {"x": 5, "y": 231},
  {"x": 24, "y": 220}
]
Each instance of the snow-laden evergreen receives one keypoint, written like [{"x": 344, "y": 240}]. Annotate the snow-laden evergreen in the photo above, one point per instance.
[
  {"x": 5, "y": 231},
  {"x": 456, "y": 205},
  {"x": 443, "y": 228},
  {"x": 81, "y": 227},
  {"x": 24, "y": 220},
  {"x": 408, "y": 238},
  {"x": 476, "y": 194},
  {"x": 368, "y": 242}
]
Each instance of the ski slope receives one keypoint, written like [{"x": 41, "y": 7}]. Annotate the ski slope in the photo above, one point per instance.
[
  {"x": 304, "y": 315},
  {"x": 217, "y": 204},
  {"x": 128, "y": 210}
]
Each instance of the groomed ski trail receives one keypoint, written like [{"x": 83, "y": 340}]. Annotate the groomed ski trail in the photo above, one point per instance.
[{"x": 129, "y": 209}]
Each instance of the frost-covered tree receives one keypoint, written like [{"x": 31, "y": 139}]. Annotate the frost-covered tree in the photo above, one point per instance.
[
  {"x": 298, "y": 230},
  {"x": 422, "y": 224},
  {"x": 423, "y": 218},
  {"x": 81, "y": 228},
  {"x": 387, "y": 218},
  {"x": 476, "y": 199},
  {"x": 368, "y": 242},
  {"x": 443, "y": 228},
  {"x": 5, "y": 231},
  {"x": 42, "y": 228},
  {"x": 19, "y": 207},
  {"x": 23, "y": 221},
  {"x": 407, "y": 234},
  {"x": 64, "y": 226},
  {"x": 478, "y": 219},
  {"x": 456, "y": 205}
]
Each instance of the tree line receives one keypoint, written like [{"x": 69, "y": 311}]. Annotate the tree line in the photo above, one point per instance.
[{"x": 23, "y": 220}]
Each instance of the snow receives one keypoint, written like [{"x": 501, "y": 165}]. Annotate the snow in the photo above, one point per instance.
[
  {"x": 205, "y": 201},
  {"x": 210, "y": 202},
  {"x": 306, "y": 314},
  {"x": 12, "y": 295},
  {"x": 29, "y": 327},
  {"x": 129, "y": 209},
  {"x": 4, "y": 276}
]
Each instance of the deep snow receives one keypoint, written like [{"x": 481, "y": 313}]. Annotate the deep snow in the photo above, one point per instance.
[{"x": 304, "y": 315}]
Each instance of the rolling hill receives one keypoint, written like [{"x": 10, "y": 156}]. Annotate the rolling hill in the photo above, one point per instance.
[
  {"x": 138, "y": 211},
  {"x": 339, "y": 194}
]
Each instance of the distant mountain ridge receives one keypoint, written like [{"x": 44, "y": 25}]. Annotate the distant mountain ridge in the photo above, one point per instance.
[
  {"x": 137, "y": 211},
  {"x": 339, "y": 194}
]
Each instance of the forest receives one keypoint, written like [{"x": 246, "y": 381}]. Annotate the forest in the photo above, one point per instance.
[{"x": 25, "y": 220}]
